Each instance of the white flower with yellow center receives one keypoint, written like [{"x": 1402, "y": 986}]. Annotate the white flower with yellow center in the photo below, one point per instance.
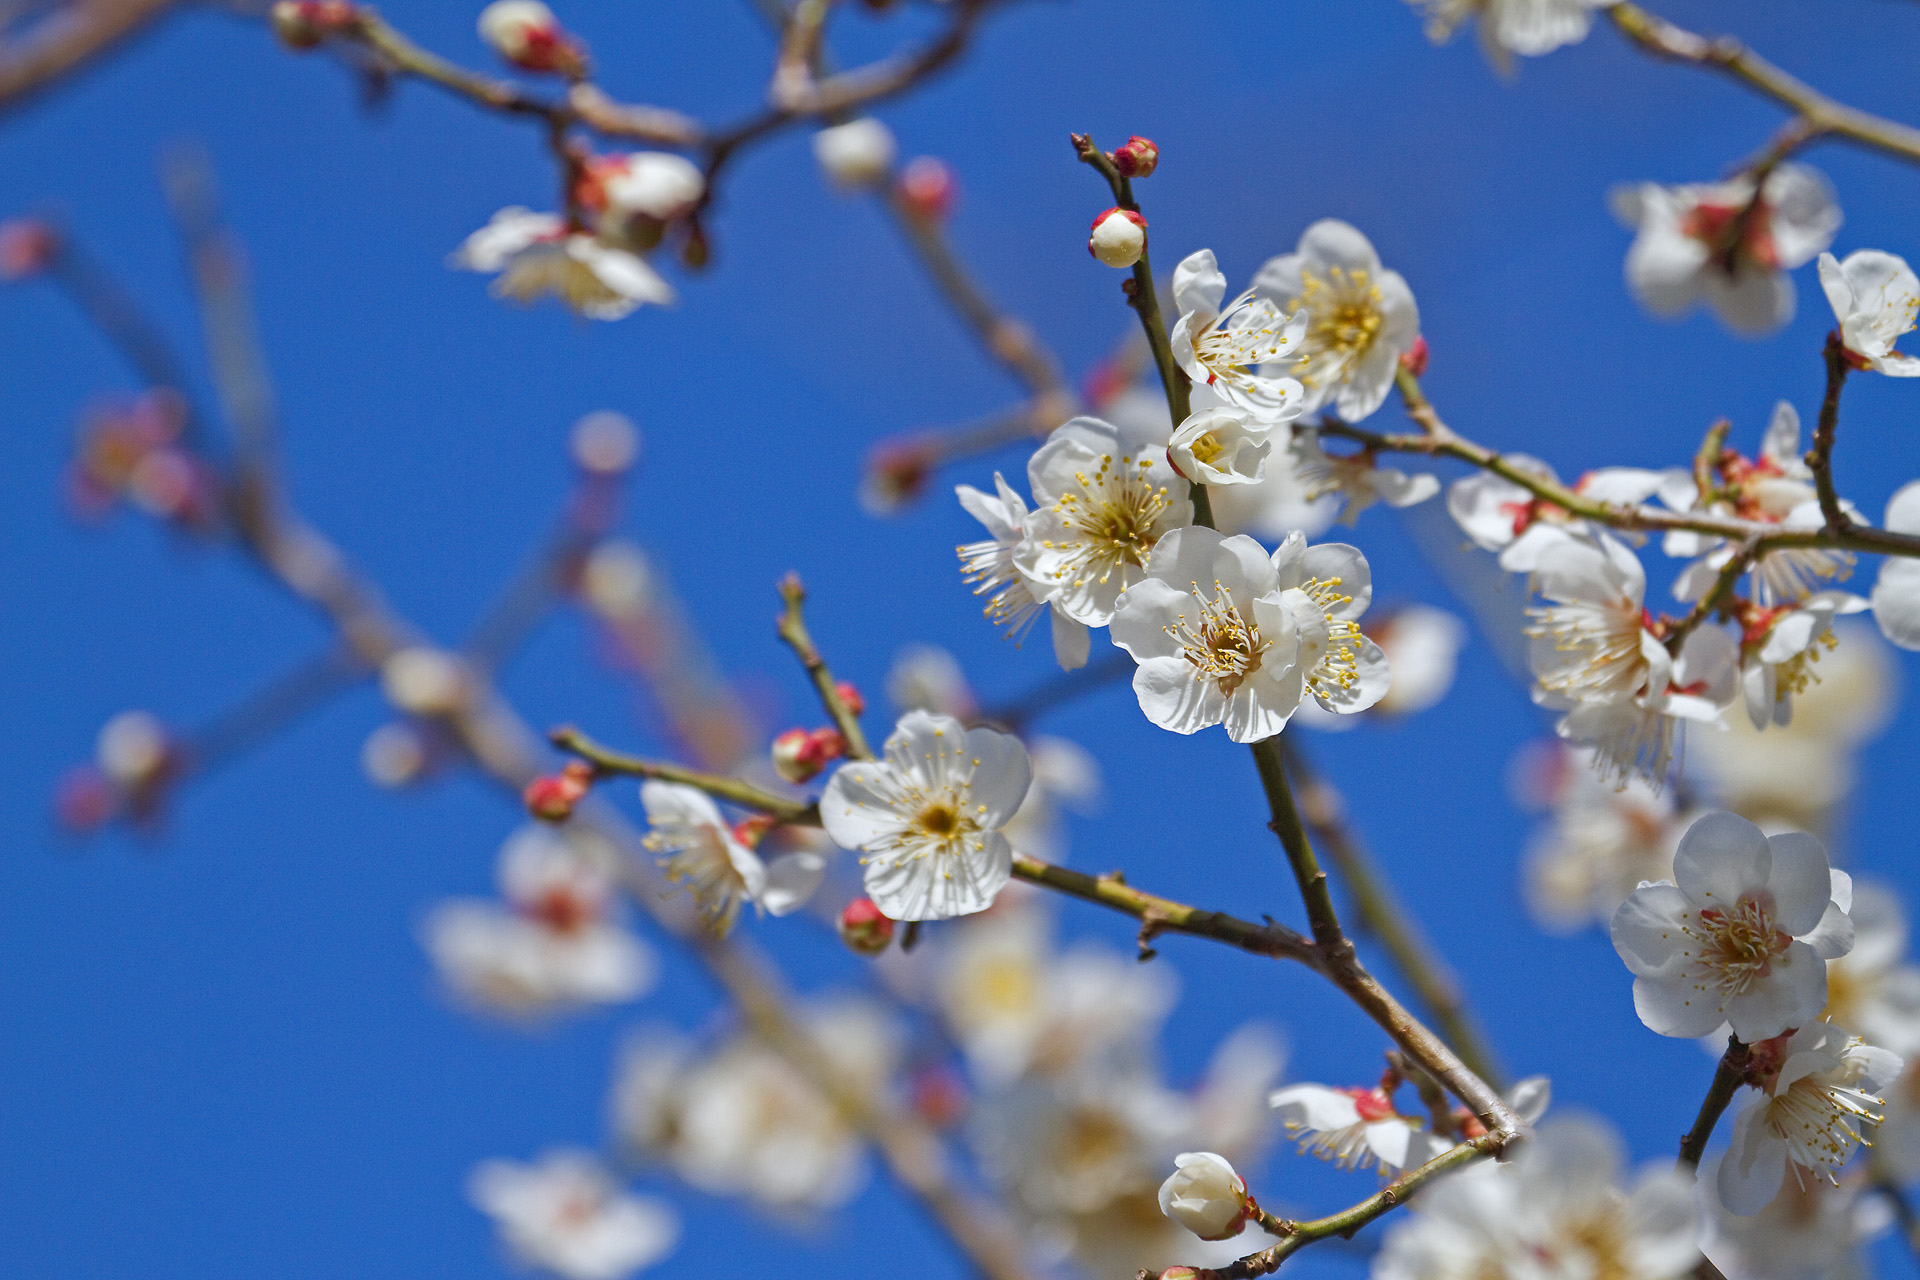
[
  {"x": 702, "y": 852},
  {"x": 1781, "y": 649},
  {"x": 1240, "y": 352},
  {"x": 1875, "y": 296},
  {"x": 566, "y": 1215},
  {"x": 1012, "y": 602},
  {"x": 1741, "y": 934},
  {"x": 1103, "y": 496},
  {"x": 1362, "y": 317},
  {"x": 1327, "y": 587},
  {"x": 1354, "y": 1128},
  {"x": 1221, "y": 446},
  {"x": 928, "y": 816},
  {"x": 536, "y": 254},
  {"x": 1828, "y": 1084}
]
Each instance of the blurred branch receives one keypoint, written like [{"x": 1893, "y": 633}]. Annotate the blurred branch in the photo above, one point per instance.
[
  {"x": 1381, "y": 913},
  {"x": 64, "y": 41},
  {"x": 793, "y": 630},
  {"x": 280, "y": 703},
  {"x": 1014, "y": 716}
]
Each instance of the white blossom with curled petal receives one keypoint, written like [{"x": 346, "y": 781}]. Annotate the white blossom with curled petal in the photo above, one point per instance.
[
  {"x": 702, "y": 852},
  {"x": 1778, "y": 653},
  {"x": 1354, "y": 1128},
  {"x": 1740, "y": 935},
  {"x": 564, "y": 1214},
  {"x": 1896, "y": 593},
  {"x": 1224, "y": 445},
  {"x": 928, "y": 814},
  {"x": 1013, "y": 599},
  {"x": 1240, "y": 352},
  {"x": 1361, "y": 317},
  {"x": 1875, "y": 297},
  {"x": 1103, "y": 496},
  {"x": 535, "y": 254},
  {"x": 1823, "y": 1086},
  {"x": 1355, "y": 478},
  {"x": 1714, "y": 241}
]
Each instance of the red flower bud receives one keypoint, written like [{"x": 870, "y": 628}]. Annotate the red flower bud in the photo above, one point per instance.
[
  {"x": 1138, "y": 158},
  {"x": 750, "y": 831},
  {"x": 851, "y": 696},
  {"x": 864, "y": 929},
  {"x": 552, "y": 798},
  {"x": 1414, "y": 358},
  {"x": 800, "y": 755},
  {"x": 928, "y": 188},
  {"x": 27, "y": 247}
]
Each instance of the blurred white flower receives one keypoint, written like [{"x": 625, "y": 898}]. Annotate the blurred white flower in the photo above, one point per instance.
[
  {"x": 1874, "y": 296},
  {"x": 1065, "y": 774},
  {"x": 1354, "y": 1128},
  {"x": 718, "y": 869},
  {"x": 1740, "y": 936},
  {"x": 1232, "y": 351},
  {"x": 928, "y": 816},
  {"x": 537, "y": 254},
  {"x": 1504, "y": 517},
  {"x": 926, "y": 677},
  {"x": 1873, "y": 990},
  {"x": 1361, "y": 318},
  {"x": 1810, "y": 1232},
  {"x": 565, "y": 1215},
  {"x": 1355, "y": 479},
  {"x": 1715, "y": 241},
  {"x": 1600, "y": 843},
  {"x": 1896, "y": 594},
  {"x": 1526, "y": 27},
  {"x": 856, "y": 154}
]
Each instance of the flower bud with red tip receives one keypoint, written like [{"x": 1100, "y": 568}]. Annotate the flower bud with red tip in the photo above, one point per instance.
[
  {"x": 1414, "y": 358},
  {"x": 864, "y": 929},
  {"x": 27, "y": 247},
  {"x": 1119, "y": 237},
  {"x": 751, "y": 831},
  {"x": 526, "y": 34},
  {"x": 552, "y": 798},
  {"x": 850, "y": 696},
  {"x": 928, "y": 188},
  {"x": 1138, "y": 158},
  {"x": 304, "y": 24},
  {"x": 799, "y": 754},
  {"x": 897, "y": 473},
  {"x": 84, "y": 800}
]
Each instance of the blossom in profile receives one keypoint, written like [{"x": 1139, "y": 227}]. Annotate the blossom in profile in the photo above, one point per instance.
[
  {"x": 1103, "y": 496},
  {"x": 1740, "y": 936},
  {"x": 1361, "y": 317},
  {"x": 1875, "y": 297},
  {"x": 536, "y": 255},
  {"x": 1356, "y": 478},
  {"x": 1014, "y": 600},
  {"x": 1556, "y": 1208},
  {"x": 1720, "y": 243},
  {"x": 1818, "y": 1088},
  {"x": 1241, "y": 351},
  {"x": 554, "y": 944},
  {"x": 1205, "y": 1196},
  {"x": 564, "y": 1214},
  {"x": 1221, "y": 445},
  {"x": 1779, "y": 649},
  {"x": 703, "y": 853},
  {"x": 927, "y": 816},
  {"x": 1355, "y": 1128}
]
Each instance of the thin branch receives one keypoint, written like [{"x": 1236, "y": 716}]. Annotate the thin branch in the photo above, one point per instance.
[
  {"x": 1820, "y": 457},
  {"x": 793, "y": 630},
  {"x": 1381, "y": 914},
  {"x": 63, "y": 42},
  {"x": 1822, "y": 115},
  {"x": 1727, "y": 1078},
  {"x": 1716, "y": 597},
  {"x": 608, "y": 762}
]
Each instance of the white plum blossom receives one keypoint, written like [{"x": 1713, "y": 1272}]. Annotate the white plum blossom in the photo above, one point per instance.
[
  {"x": 1780, "y": 648},
  {"x": 1555, "y": 1210},
  {"x": 1231, "y": 351},
  {"x": 555, "y": 944},
  {"x": 565, "y": 1215},
  {"x": 1716, "y": 242},
  {"x": 1423, "y": 646},
  {"x": 1103, "y": 495},
  {"x": 1355, "y": 478},
  {"x": 719, "y": 870},
  {"x": 1811, "y": 1232},
  {"x": 1354, "y": 1128},
  {"x": 1526, "y": 27},
  {"x": 1504, "y": 517},
  {"x": 656, "y": 185},
  {"x": 856, "y": 154},
  {"x": 1896, "y": 593},
  {"x": 536, "y": 254},
  {"x": 1600, "y": 844},
  {"x": 1205, "y": 1196},
  {"x": 1013, "y": 599},
  {"x": 1740, "y": 935},
  {"x": 927, "y": 816},
  {"x": 1874, "y": 990},
  {"x": 524, "y": 32},
  {"x": 1875, "y": 297},
  {"x": 1361, "y": 317},
  {"x": 1819, "y": 1086},
  {"x": 1065, "y": 775},
  {"x": 1221, "y": 446},
  {"x": 925, "y": 677}
]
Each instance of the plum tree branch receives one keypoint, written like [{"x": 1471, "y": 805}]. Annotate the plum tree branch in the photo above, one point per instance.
[{"x": 62, "y": 42}]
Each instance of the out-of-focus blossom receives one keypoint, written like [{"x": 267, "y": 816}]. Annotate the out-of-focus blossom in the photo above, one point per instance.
[
  {"x": 28, "y": 246},
  {"x": 1874, "y": 990},
  {"x": 1741, "y": 935},
  {"x": 928, "y": 189},
  {"x": 526, "y": 34},
  {"x": 1875, "y": 297},
  {"x": 928, "y": 814},
  {"x": 1361, "y": 318},
  {"x": 1720, "y": 243},
  {"x": 1600, "y": 842},
  {"x": 565, "y": 1215},
  {"x": 396, "y": 754},
  {"x": 1014, "y": 599},
  {"x": 1811, "y": 1231},
  {"x": 425, "y": 681},
  {"x": 1355, "y": 479},
  {"x": 538, "y": 254},
  {"x": 1239, "y": 351},
  {"x": 928, "y": 678},
  {"x": 1065, "y": 774},
  {"x": 1896, "y": 593},
  {"x": 604, "y": 443},
  {"x": 1505, "y": 517},
  {"x": 856, "y": 154}
]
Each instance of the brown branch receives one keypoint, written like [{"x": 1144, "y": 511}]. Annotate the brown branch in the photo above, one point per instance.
[
  {"x": 793, "y": 630},
  {"x": 1820, "y": 457},
  {"x": 607, "y": 763},
  {"x": 1727, "y": 1078},
  {"x": 68, "y": 39}
]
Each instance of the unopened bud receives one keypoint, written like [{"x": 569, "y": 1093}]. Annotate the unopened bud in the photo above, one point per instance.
[
  {"x": 395, "y": 755},
  {"x": 856, "y": 154},
  {"x": 84, "y": 800},
  {"x": 864, "y": 929},
  {"x": 1414, "y": 358},
  {"x": 526, "y": 34},
  {"x": 1205, "y": 1196},
  {"x": 795, "y": 757},
  {"x": 605, "y": 443},
  {"x": 751, "y": 831},
  {"x": 1177, "y": 1273},
  {"x": 1119, "y": 237},
  {"x": 27, "y": 247},
  {"x": 897, "y": 473},
  {"x": 1138, "y": 158},
  {"x": 654, "y": 184},
  {"x": 928, "y": 188},
  {"x": 552, "y": 798},
  {"x": 302, "y": 24},
  {"x": 133, "y": 749},
  {"x": 850, "y": 697},
  {"x": 424, "y": 681}
]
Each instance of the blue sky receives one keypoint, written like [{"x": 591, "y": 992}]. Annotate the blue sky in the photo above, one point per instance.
[{"x": 223, "y": 1053}]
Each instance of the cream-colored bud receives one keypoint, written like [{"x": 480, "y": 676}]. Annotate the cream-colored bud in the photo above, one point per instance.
[
  {"x": 856, "y": 154},
  {"x": 1119, "y": 237}
]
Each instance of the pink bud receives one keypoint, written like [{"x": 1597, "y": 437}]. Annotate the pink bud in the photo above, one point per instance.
[
  {"x": 1119, "y": 237},
  {"x": 1414, "y": 358},
  {"x": 84, "y": 799},
  {"x": 303, "y": 24},
  {"x": 526, "y": 34},
  {"x": 552, "y": 798},
  {"x": 851, "y": 697},
  {"x": 864, "y": 929},
  {"x": 796, "y": 757},
  {"x": 27, "y": 247},
  {"x": 897, "y": 473},
  {"x": 1138, "y": 158},
  {"x": 751, "y": 831},
  {"x": 928, "y": 188}
]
